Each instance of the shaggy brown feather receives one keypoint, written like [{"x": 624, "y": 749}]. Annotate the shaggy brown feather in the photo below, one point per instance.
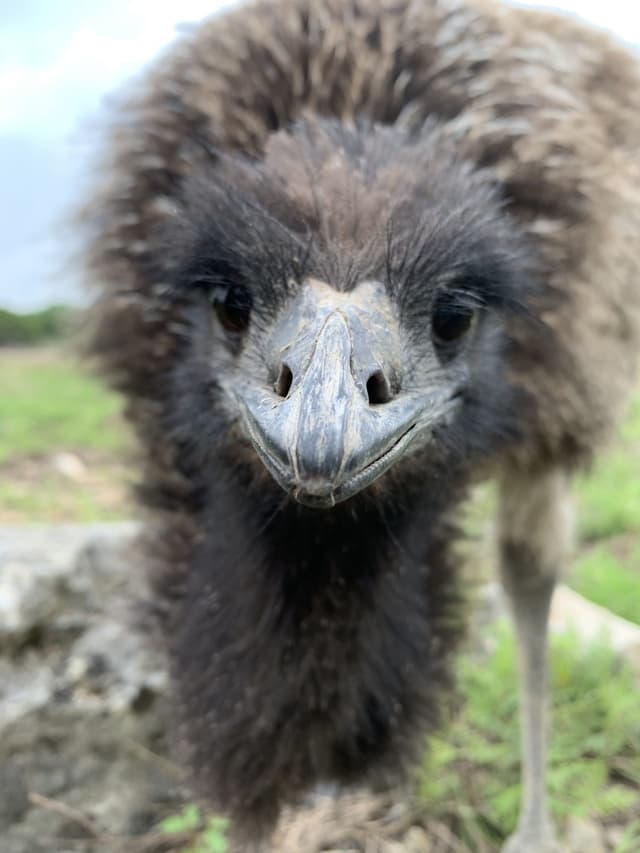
[{"x": 552, "y": 106}]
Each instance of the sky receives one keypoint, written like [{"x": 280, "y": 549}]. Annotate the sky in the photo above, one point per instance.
[{"x": 58, "y": 61}]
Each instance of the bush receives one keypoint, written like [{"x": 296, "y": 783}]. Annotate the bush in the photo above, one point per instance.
[{"x": 34, "y": 328}]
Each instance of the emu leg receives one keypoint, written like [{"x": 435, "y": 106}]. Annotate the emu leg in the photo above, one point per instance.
[{"x": 535, "y": 536}]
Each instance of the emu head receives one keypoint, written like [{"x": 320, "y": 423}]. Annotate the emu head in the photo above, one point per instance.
[{"x": 348, "y": 293}]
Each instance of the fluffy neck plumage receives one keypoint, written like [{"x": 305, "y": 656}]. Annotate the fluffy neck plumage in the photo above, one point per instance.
[{"x": 311, "y": 645}]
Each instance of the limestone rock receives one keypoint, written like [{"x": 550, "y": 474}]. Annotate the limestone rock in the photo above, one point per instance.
[{"x": 82, "y": 722}]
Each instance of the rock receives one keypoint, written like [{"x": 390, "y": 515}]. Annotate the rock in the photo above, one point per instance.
[
  {"x": 82, "y": 693},
  {"x": 69, "y": 465},
  {"x": 14, "y": 799},
  {"x": 570, "y": 612},
  {"x": 614, "y": 836},
  {"x": 416, "y": 841},
  {"x": 584, "y": 836},
  {"x": 51, "y": 576}
]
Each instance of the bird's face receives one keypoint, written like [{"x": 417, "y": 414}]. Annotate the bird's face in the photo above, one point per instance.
[
  {"x": 336, "y": 412},
  {"x": 356, "y": 305}
]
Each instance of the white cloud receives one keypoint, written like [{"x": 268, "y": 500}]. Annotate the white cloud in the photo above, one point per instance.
[{"x": 93, "y": 59}]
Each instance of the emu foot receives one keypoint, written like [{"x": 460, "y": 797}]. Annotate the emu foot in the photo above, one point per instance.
[{"x": 533, "y": 839}]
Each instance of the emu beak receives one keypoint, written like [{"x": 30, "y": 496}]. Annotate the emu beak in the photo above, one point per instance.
[{"x": 334, "y": 422}]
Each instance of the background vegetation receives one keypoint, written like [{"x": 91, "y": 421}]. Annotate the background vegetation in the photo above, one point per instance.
[
  {"x": 470, "y": 777},
  {"x": 50, "y": 324}
]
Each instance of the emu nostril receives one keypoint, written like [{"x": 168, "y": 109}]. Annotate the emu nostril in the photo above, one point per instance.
[
  {"x": 283, "y": 382},
  {"x": 378, "y": 389}
]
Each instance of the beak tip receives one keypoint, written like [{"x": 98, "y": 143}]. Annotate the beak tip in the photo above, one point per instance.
[{"x": 314, "y": 498}]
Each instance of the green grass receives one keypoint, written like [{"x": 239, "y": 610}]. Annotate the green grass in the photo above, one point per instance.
[
  {"x": 607, "y": 580},
  {"x": 608, "y": 501},
  {"x": 607, "y": 567},
  {"x": 630, "y": 431},
  {"x": 208, "y": 835},
  {"x": 609, "y": 496},
  {"x": 50, "y": 403},
  {"x": 470, "y": 778},
  {"x": 54, "y": 499}
]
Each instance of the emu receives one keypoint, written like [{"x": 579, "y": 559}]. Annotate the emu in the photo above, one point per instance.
[{"x": 351, "y": 257}]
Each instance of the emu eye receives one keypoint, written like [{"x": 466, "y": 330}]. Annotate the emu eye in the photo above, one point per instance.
[
  {"x": 232, "y": 306},
  {"x": 451, "y": 320}
]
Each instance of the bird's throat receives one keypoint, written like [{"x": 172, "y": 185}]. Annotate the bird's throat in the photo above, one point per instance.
[{"x": 317, "y": 658}]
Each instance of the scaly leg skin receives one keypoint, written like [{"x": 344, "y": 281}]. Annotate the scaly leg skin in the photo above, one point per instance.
[{"x": 535, "y": 539}]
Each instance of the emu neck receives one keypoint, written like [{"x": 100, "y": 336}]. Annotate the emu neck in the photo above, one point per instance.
[{"x": 323, "y": 637}]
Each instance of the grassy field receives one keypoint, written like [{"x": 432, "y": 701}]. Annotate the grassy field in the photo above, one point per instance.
[
  {"x": 63, "y": 457},
  {"x": 63, "y": 443}
]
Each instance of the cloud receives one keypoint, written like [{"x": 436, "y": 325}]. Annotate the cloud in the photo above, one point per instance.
[{"x": 92, "y": 58}]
